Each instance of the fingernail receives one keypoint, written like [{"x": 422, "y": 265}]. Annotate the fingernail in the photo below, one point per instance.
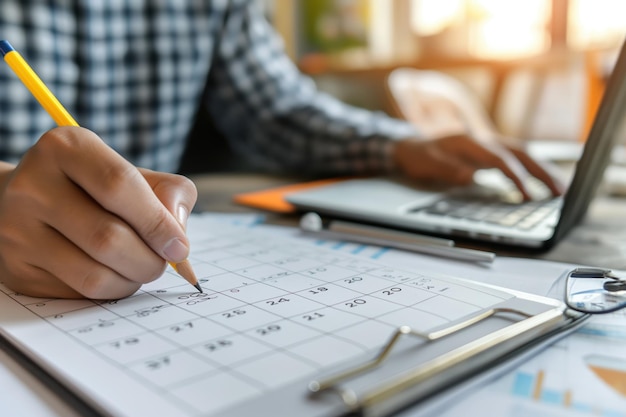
[
  {"x": 182, "y": 215},
  {"x": 175, "y": 250}
]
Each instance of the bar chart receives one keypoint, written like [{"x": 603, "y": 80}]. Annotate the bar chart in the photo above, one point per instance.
[
  {"x": 531, "y": 386},
  {"x": 584, "y": 373}
]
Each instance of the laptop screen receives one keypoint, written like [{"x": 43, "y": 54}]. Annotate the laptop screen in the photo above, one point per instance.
[{"x": 608, "y": 127}]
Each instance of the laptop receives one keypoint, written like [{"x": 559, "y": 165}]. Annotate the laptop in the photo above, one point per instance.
[{"x": 482, "y": 212}]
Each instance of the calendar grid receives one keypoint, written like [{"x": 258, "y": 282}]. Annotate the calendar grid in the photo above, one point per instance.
[{"x": 271, "y": 314}]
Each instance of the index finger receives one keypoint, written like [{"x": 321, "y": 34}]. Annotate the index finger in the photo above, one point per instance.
[
  {"x": 118, "y": 186},
  {"x": 539, "y": 171},
  {"x": 503, "y": 160}
]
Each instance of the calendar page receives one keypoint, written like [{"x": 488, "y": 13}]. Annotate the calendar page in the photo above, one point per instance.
[{"x": 276, "y": 311}]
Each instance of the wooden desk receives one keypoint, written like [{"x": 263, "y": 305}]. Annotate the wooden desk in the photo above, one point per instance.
[{"x": 600, "y": 239}]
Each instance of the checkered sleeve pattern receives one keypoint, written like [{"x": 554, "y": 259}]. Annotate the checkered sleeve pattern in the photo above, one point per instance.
[
  {"x": 135, "y": 72},
  {"x": 275, "y": 114},
  {"x": 131, "y": 71}
]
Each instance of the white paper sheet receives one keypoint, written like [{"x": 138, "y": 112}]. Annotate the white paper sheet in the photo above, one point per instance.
[{"x": 256, "y": 299}]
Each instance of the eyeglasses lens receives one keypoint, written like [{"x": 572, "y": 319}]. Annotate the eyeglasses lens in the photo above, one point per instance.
[{"x": 595, "y": 294}]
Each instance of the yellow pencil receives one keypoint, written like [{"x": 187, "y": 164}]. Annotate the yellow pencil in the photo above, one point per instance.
[{"x": 62, "y": 118}]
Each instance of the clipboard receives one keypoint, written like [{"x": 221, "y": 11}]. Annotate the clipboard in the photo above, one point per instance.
[
  {"x": 411, "y": 367},
  {"x": 415, "y": 369}
]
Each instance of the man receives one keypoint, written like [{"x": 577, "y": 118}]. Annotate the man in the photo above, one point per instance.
[{"x": 96, "y": 214}]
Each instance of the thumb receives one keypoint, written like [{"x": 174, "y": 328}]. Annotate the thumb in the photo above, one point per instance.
[{"x": 177, "y": 193}]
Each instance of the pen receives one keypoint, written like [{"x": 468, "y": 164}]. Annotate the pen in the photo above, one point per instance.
[
  {"x": 62, "y": 118},
  {"x": 311, "y": 223},
  {"x": 360, "y": 229}
]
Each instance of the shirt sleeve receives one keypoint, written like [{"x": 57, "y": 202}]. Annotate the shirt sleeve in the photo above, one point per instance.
[{"x": 272, "y": 113}]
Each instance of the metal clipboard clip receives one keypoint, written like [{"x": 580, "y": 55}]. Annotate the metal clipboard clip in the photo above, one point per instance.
[{"x": 530, "y": 326}]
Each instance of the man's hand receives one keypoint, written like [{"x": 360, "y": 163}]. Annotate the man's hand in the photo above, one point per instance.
[
  {"x": 455, "y": 159},
  {"x": 78, "y": 220}
]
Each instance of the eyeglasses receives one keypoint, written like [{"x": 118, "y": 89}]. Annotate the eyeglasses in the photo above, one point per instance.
[{"x": 595, "y": 290}]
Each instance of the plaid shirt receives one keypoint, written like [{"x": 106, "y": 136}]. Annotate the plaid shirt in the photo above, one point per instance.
[{"x": 136, "y": 71}]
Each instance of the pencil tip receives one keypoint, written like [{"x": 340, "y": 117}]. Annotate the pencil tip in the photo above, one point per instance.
[{"x": 184, "y": 270}]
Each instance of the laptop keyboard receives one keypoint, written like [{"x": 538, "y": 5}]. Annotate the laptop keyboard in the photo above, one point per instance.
[{"x": 523, "y": 216}]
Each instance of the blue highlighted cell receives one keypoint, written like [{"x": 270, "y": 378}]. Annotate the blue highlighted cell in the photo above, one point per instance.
[
  {"x": 552, "y": 397},
  {"x": 358, "y": 249},
  {"x": 523, "y": 385}
]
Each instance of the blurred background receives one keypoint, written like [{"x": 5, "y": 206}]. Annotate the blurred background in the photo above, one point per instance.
[{"x": 537, "y": 66}]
